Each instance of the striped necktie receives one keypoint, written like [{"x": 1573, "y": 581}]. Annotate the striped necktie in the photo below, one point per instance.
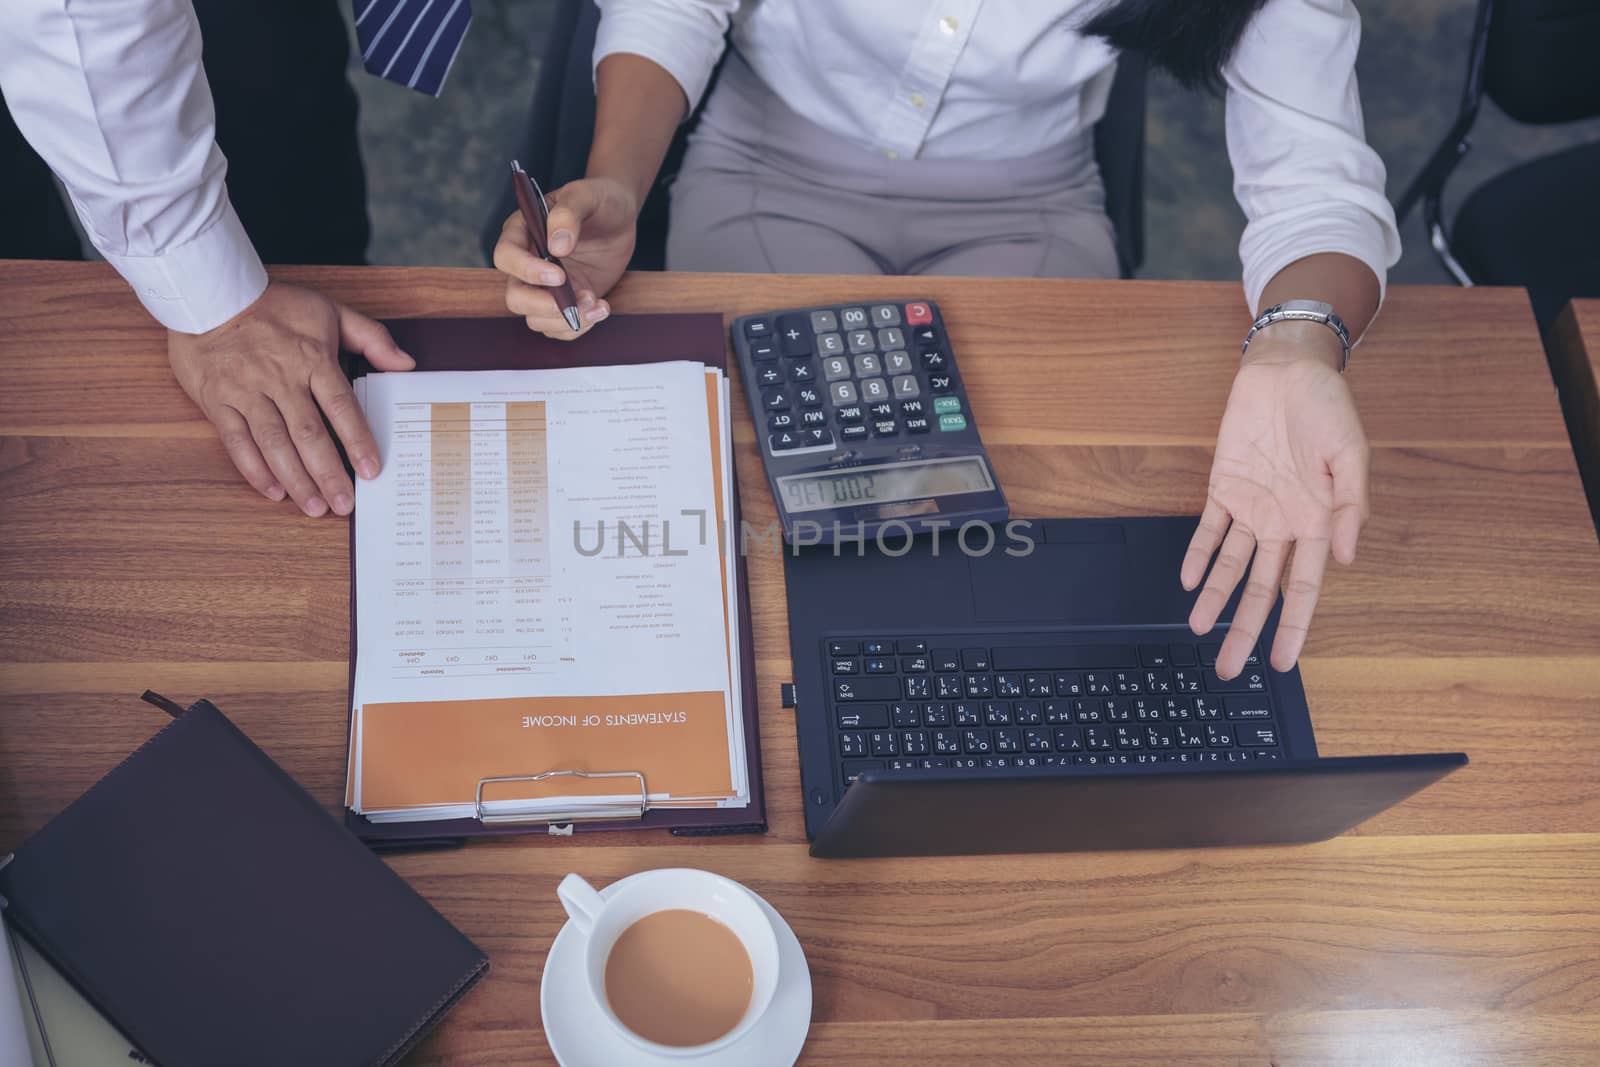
[{"x": 412, "y": 42}]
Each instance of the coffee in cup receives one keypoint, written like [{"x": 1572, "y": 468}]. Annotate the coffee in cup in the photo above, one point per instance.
[{"x": 679, "y": 977}]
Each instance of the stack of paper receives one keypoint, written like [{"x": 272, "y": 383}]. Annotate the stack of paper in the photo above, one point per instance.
[{"x": 545, "y": 581}]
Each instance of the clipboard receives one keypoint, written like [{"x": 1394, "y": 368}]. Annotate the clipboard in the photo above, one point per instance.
[{"x": 508, "y": 344}]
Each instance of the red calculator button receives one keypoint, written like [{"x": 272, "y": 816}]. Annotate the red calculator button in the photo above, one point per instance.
[{"x": 918, "y": 314}]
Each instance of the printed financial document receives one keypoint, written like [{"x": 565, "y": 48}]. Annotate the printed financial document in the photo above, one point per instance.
[{"x": 543, "y": 577}]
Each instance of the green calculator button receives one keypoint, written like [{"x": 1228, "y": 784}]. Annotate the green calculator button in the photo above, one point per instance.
[
  {"x": 945, "y": 405},
  {"x": 952, "y": 422}
]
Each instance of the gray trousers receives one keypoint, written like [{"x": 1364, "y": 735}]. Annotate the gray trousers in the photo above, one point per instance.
[{"x": 764, "y": 190}]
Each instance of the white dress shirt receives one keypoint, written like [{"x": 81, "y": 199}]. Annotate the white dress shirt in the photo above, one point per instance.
[
  {"x": 940, "y": 79},
  {"x": 112, "y": 94}
]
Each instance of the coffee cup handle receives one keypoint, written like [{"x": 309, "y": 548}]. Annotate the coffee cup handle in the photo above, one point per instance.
[{"x": 580, "y": 900}]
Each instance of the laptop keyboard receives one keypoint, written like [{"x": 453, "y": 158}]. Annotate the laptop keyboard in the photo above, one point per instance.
[{"x": 986, "y": 703}]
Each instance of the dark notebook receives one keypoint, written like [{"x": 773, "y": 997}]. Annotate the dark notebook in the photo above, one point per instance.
[{"x": 216, "y": 914}]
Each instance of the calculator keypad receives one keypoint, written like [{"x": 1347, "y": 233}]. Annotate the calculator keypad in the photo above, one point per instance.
[{"x": 872, "y": 372}]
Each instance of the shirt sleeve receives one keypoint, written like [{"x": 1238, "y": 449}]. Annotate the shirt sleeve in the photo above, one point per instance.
[
  {"x": 683, "y": 37},
  {"x": 114, "y": 98},
  {"x": 1302, "y": 170}
]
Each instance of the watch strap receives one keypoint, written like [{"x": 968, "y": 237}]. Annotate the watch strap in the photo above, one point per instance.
[{"x": 1302, "y": 311}]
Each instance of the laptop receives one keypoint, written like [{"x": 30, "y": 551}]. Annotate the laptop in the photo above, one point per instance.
[{"x": 1034, "y": 687}]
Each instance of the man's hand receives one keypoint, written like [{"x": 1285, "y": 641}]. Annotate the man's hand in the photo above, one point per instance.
[
  {"x": 266, "y": 377},
  {"x": 592, "y": 227},
  {"x": 1290, "y": 477}
]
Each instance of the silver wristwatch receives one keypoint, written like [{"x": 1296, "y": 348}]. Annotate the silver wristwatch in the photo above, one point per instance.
[{"x": 1305, "y": 311}]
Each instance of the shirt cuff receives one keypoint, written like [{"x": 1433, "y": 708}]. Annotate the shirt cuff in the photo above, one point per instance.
[
  {"x": 678, "y": 42},
  {"x": 1269, "y": 245},
  {"x": 200, "y": 285}
]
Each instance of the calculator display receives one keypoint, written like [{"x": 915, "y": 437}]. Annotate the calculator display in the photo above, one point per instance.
[{"x": 884, "y": 484}]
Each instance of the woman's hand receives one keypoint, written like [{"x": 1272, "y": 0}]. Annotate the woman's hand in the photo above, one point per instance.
[
  {"x": 592, "y": 233},
  {"x": 1289, "y": 480}
]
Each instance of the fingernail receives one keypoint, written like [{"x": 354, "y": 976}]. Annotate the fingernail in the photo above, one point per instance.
[
  {"x": 275, "y": 491},
  {"x": 596, "y": 314},
  {"x": 367, "y": 467},
  {"x": 560, "y": 240},
  {"x": 343, "y": 504},
  {"x": 316, "y": 507},
  {"x": 550, "y": 277}
]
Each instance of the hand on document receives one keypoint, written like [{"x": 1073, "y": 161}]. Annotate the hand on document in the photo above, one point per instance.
[
  {"x": 266, "y": 377},
  {"x": 546, "y": 581}
]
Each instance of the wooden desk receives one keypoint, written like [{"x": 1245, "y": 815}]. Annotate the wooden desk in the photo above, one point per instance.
[
  {"x": 1575, "y": 362},
  {"x": 1461, "y": 927}
]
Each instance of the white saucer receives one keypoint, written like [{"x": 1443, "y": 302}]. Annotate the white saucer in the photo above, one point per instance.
[{"x": 581, "y": 1036}]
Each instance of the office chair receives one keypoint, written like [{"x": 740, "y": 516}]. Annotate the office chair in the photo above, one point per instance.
[
  {"x": 555, "y": 145},
  {"x": 1538, "y": 224}
]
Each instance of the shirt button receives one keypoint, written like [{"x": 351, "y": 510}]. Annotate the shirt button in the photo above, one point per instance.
[
  {"x": 947, "y": 25},
  {"x": 917, "y": 100}
]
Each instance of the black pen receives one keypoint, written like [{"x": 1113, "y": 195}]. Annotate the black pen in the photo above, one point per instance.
[{"x": 536, "y": 217}]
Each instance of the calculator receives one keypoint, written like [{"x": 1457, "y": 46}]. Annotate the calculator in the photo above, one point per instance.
[{"x": 863, "y": 422}]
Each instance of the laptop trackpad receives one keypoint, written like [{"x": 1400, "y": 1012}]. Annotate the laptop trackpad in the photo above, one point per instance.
[{"x": 1079, "y": 584}]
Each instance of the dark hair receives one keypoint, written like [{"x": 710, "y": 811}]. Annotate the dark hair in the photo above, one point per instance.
[{"x": 1189, "y": 39}]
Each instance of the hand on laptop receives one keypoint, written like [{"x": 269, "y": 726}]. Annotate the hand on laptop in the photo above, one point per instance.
[
  {"x": 592, "y": 233},
  {"x": 1289, "y": 482},
  {"x": 266, "y": 377}
]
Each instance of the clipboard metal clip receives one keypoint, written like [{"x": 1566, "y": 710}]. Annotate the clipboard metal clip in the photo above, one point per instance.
[{"x": 631, "y": 810}]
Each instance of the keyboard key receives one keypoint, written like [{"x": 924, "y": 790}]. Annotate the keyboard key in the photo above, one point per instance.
[
  {"x": 898, "y": 363},
  {"x": 905, "y": 716},
  {"x": 880, "y": 687},
  {"x": 1118, "y": 710},
  {"x": 1027, "y": 712},
  {"x": 1099, "y": 683},
  {"x": 843, "y": 394},
  {"x": 1159, "y": 737},
  {"x": 1067, "y": 739},
  {"x": 1098, "y": 739},
  {"x": 1186, "y": 681},
  {"x": 890, "y": 339},
  {"x": 853, "y": 744},
  {"x": 1128, "y": 683},
  {"x": 927, "y": 335},
  {"x": 1147, "y": 710},
  {"x": 824, "y": 322},
  {"x": 905, "y": 387},
  {"x": 885, "y": 428},
  {"x": 1008, "y": 685},
  {"x": 775, "y": 400},
  {"x": 901, "y": 764},
  {"x": 794, "y": 335},
  {"x": 875, "y": 389},
  {"x": 1207, "y": 708},
  {"x": 1129, "y": 738},
  {"x": 853, "y": 768},
  {"x": 1249, "y": 681},
  {"x": 762, "y": 351},
  {"x": 853, "y": 318},
  {"x": 1210, "y": 652},
  {"x": 836, "y": 369},
  {"x": 859, "y": 341},
  {"x": 968, "y": 714},
  {"x": 830, "y": 344},
  {"x": 1037, "y": 685},
  {"x": 883, "y": 410},
  {"x": 911, "y": 409},
  {"x": 914, "y": 742},
  {"x": 1183, "y": 656},
  {"x": 843, "y": 648},
  {"x": 758, "y": 329},
  {"x": 853, "y": 433},
  {"x": 917, "y": 688},
  {"x": 809, "y": 396},
  {"x": 946, "y": 659},
  {"x": 918, "y": 313},
  {"x": 816, "y": 437},
  {"x": 906, "y": 647},
  {"x": 979, "y": 686},
  {"x": 1036, "y": 740},
  {"x": 863, "y": 717},
  {"x": 1267, "y": 755},
  {"x": 848, "y": 413},
  {"x": 1088, "y": 711},
  {"x": 784, "y": 440},
  {"x": 878, "y": 665},
  {"x": 1256, "y": 735},
  {"x": 1248, "y": 707},
  {"x": 934, "y": 762},
  {"x": 976, "y": 742},
  {"x": 1154, "y": 656},
  {"x": 947, "y": 687},
  {"x": 1158, "y": 682},
  {"x": 769, "y": 376},
  {"x": 937, "y": 715},
  {"x": 945, "y": 742},
  {"x": 1057, "y": 712},
  {"x": 846, "y": 665},
  {"x": 917, "y": 425},
  {"x": 934, "y": 361},
  {"x": 803, "y": 371},
  {"x": 1190, "y": 736},
  {"x": 1063, "y": 657},
  {"x": 914, "y": 664},
  {"x": 942, "y": 383},
  {"x": 877, "y": 647},
  {"x": 813, "y": 420},
  {"x": 996, "y": 713},
  {"x": 1068, "y": 684},
  {"x": 1219, "y": 735},
  {"x": 1008, "y": 739},
  {"x": 1178, "y": 709},
  {"x": 868, "y": 366},
  {"x": 952, "y": 423},
  {"x": 885, "y": 315},
  {"x": 781, "y": 420},
  {"x": 975, "y": 659},
  {"x": 884, "y": 743}
]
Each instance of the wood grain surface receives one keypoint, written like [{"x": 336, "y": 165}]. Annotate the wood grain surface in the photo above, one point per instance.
[{"x": 1462, "y": 927}]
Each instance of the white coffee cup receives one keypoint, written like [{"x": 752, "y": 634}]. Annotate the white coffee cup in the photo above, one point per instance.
[{"x": 599, "y": 921}]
